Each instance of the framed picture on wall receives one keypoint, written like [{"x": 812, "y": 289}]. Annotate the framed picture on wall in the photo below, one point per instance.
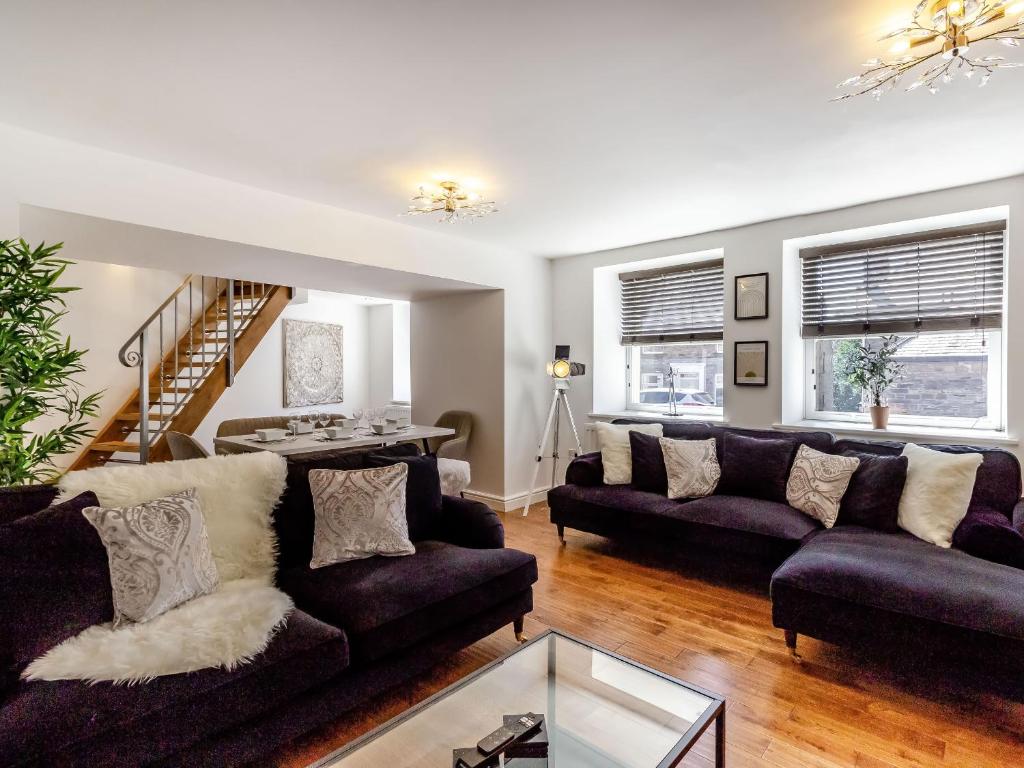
[
  {"x": 751, "y": 297},
  {"x": 750, "y": 364}
]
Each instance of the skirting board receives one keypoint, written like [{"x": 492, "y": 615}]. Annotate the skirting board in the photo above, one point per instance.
[{"x": 507, "y": 503}]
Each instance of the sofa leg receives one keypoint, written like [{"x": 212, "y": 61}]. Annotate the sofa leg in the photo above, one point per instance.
[
  {"x": 561, "y": 534},
  {"x": 791, "y": 636},
  {"x": 517, "y": 627}
]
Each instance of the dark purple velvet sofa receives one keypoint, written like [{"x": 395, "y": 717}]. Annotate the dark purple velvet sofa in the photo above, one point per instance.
[
  {"x": 359, "y": 628},
  {"x": 848, "y": 584}
]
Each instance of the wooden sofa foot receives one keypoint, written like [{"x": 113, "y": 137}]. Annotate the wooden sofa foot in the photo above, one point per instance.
[
  {"x": 791, "y": 637},
  {"x": 561, "y": 534},
  {"x": 517, "y": 627}
]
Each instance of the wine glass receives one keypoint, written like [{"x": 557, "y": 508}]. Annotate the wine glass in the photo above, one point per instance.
[
  {"x": 357, "y": 414},
  {"x": 324, "y": 419}
]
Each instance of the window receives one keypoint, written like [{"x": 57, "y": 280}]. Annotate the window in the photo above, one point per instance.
[
  {"x": 940, "y": 294},
  {"x": 672, "y": 333},
  {"x": 693, "y": 367}
]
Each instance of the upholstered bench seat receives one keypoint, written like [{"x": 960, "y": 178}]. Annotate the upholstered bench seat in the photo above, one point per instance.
[{"x": 454, "y": 475}]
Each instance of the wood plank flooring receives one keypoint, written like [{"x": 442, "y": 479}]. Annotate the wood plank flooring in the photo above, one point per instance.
[{"x": 708, "y": 621}]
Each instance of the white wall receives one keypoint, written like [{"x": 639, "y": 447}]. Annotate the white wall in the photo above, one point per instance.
[
  {"x": 41, "y": 171},
  {"x": 457, "y": 365},
  {"x": 764, "y": 248},
  {"x": 258, "y": 389},
  {"x": 381, "y": 359}
]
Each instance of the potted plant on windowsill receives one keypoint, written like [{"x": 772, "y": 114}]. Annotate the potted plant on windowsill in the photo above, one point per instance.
[{"x": 873, "y": 369}]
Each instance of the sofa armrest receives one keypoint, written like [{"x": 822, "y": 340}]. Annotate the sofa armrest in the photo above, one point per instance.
[
  {"x": 470, "y": 524},
  {"x": 585, "y": 470},
  {"x": 1018, "y": 517}
]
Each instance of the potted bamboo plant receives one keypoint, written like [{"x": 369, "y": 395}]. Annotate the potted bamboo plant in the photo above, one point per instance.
[
  {"x": 42, "y": 413},
  {"x": 873, "y": 369}
]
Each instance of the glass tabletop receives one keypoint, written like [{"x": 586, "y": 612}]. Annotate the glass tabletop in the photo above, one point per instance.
[{"x": 601, "y": 710}]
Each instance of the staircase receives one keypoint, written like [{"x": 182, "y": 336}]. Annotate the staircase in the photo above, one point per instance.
[{"x": 223, "y": 321}]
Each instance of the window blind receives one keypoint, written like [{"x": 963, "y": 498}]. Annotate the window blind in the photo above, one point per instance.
[
  {"x": 680, "y": 303},
  {"x": 945, "y": 280}
]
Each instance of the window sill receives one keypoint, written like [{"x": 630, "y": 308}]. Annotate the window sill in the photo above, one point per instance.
[
  {"x": 652, "y": 416},
  {"x": 902, "y": 432}
]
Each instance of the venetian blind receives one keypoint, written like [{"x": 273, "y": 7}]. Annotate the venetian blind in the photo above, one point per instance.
[
  {"x": 938, "y": 281},
  {"x": 680, "y": 303}
]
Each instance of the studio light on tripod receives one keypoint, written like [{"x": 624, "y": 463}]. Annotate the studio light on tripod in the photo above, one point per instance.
[{"x": 561, "y": 367}]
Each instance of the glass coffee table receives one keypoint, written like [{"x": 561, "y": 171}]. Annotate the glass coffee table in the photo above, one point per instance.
[{"x": 601, "y": 710}]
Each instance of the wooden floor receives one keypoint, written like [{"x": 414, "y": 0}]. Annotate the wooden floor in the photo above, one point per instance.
[{"x": 709, "y": 622}]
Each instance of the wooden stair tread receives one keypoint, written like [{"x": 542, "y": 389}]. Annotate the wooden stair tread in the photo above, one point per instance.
[{"x": 114, "y": 446}]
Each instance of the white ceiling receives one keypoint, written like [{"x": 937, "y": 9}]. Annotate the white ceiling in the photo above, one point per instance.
[{"x": 594, "y": 124}]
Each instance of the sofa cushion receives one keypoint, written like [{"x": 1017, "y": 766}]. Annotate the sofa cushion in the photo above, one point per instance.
[
  {"x": 691, "y": 466},
  {"x": 996, "y": 486},
  {"x": 699, "y": 430},
  {"x": 294, "y": 518},
  {"x": 422, "y": 491},
  {"x": 987, "y": 534},
  {"x": 388, "y": 604},
  {"x": 756, "y": 467},
  {"x": 618, "y": 507},
  {"x": 104, "y": 722},
  {"x": 902, "y": 574},
  {"x": 740, "y": 513},
  {"x": 55, "y": 582},
  {"x": 873, "y": 498},
  {"x": 648, "y": 463},
  {"x": 25, "y": 500}
]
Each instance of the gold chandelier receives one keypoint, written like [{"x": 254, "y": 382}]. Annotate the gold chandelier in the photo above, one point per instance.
[
  {"x": 450, "y": 200},
  {"x": 940, "y": 44}
]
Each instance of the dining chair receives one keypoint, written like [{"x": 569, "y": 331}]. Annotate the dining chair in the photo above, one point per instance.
[{"x": 184, "y": 446}]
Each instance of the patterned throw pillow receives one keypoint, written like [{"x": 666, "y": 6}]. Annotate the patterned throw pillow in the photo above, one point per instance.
[
  {"x": 691, "y": 466},
  {"x": 158, "y": 552},
  {"x": 359, "y": 513},
  {"x": 817, "y": 482}
]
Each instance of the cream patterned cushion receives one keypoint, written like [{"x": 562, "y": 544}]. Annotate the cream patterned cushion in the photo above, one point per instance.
[
  {"x": 159, "y": 554},
  {"x": 359, "y": 513},
  {"x": 613, "y": 442},
  {"x": 817, "y": 482},
  {"x": 691, "y": 466}
]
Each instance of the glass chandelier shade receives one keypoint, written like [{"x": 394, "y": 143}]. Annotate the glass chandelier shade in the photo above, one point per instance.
[
  {"x": 452, "y": 202},
  {"x": 945, "y": 39}
]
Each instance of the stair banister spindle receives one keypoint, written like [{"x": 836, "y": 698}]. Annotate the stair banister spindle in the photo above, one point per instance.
[
  {"x": 231, "y": 329},
  {"x": 143, "y": 363}
]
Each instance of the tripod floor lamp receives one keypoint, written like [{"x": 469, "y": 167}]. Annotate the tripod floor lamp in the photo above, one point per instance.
[{"x": 560, "y": 370}]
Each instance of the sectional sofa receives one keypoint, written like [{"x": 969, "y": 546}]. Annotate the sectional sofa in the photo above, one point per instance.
[
  {"x": 359, "y": 628},
  {"x": 847, "y": 584}
]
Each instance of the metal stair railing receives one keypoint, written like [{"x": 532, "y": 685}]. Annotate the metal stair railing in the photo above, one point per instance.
[{"x": 181, "y": 374}]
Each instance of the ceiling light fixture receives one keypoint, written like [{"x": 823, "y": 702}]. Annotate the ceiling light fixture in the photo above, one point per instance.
[
  {"x": 944, "y": 31},
  {"x": 450, "y": 200}
]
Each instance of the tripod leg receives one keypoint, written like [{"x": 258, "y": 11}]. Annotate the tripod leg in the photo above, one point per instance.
[
  {"x": 540, "y": 455},
  {"x": 554, "y": 450},
  {"x": 572, "y": 423}
]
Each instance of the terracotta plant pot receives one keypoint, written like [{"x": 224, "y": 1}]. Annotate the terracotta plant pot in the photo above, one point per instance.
[{"x": 879, "y": 416}]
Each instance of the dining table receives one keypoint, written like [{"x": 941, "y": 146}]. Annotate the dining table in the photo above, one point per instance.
[{"x": 317, "y": 440}]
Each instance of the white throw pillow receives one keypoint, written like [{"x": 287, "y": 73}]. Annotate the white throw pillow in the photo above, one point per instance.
[
  {"x": 613, "y": 442},
  {"x": 937, "y": 493},
  {"x": 691, "y": 466},
  {"x": 359, "y": 513},
  {"x": 817, "y": 482}
]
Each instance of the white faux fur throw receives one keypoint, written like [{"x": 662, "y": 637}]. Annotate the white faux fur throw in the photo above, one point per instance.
[
  {"x": 223, "y": 629},
  {"x": 237, "y": 493}
]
